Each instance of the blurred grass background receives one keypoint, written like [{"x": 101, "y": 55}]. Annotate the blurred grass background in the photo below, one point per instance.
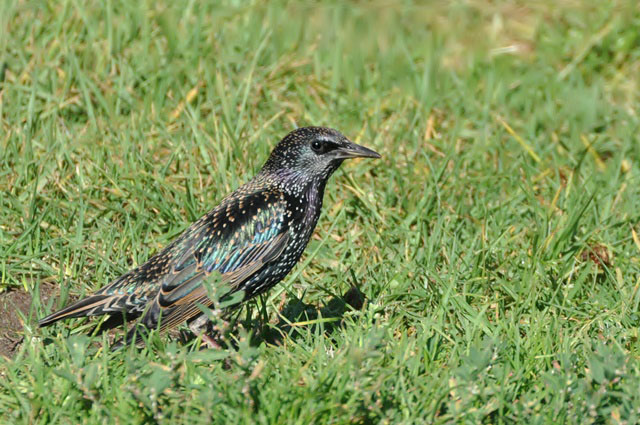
[{"x": 496, "y": 241}]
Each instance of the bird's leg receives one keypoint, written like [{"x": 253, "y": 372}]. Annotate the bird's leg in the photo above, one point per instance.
[{"x": 199, "y": 328}]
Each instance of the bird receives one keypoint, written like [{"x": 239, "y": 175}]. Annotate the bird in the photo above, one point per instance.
[{"x": 250, "y": 241}]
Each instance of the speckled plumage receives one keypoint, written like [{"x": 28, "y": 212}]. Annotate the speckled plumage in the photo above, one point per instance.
[{"x": 253, "y": 238}]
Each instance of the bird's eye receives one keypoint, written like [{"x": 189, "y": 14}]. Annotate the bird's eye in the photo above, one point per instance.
[{"x": 316, "y": 145}]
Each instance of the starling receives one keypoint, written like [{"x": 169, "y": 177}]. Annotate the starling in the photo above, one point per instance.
[{"x": 252, "y": 239}]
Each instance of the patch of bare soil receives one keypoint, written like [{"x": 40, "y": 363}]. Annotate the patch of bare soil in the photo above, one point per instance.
[{"x": 12, "y": 302}]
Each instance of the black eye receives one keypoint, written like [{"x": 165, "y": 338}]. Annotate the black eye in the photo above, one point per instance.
[{"x": 316, "y": 145}]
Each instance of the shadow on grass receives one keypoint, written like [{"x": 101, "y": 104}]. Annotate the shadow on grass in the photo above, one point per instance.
[{"x": 295, "y": 317}]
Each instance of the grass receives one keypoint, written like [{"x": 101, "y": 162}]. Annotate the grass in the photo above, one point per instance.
[{"x": 496, "y": 242}]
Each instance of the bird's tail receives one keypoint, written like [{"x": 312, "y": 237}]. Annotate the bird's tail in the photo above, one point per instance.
[{"x": 90, "y": 306}]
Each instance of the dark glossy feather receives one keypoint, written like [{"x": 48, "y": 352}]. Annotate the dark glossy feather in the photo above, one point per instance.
[{"x": 259, "y": 236}]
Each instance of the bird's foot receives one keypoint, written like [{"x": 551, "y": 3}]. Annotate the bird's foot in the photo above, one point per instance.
[
  {"x": 199, "y": 328},
  {"x": 211, "y": 343}
]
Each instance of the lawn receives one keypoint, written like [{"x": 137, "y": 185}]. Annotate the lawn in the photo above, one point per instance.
[{"x": 496, "y": 244}]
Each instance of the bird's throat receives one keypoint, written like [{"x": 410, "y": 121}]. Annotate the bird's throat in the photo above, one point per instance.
[{"x": 314, "y": 195}]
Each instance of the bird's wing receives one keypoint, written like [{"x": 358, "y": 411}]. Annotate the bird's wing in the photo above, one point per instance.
[{"x": 235, "y": 241}]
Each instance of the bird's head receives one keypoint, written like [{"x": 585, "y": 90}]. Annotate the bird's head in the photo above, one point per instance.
[{"x": 313, "y": 153}]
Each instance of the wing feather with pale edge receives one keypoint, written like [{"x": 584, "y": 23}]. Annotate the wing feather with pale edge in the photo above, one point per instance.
[{"x": 241, "y": 237}]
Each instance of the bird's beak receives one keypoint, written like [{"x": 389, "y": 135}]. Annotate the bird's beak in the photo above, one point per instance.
[{"x": 352, "y": 150}]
